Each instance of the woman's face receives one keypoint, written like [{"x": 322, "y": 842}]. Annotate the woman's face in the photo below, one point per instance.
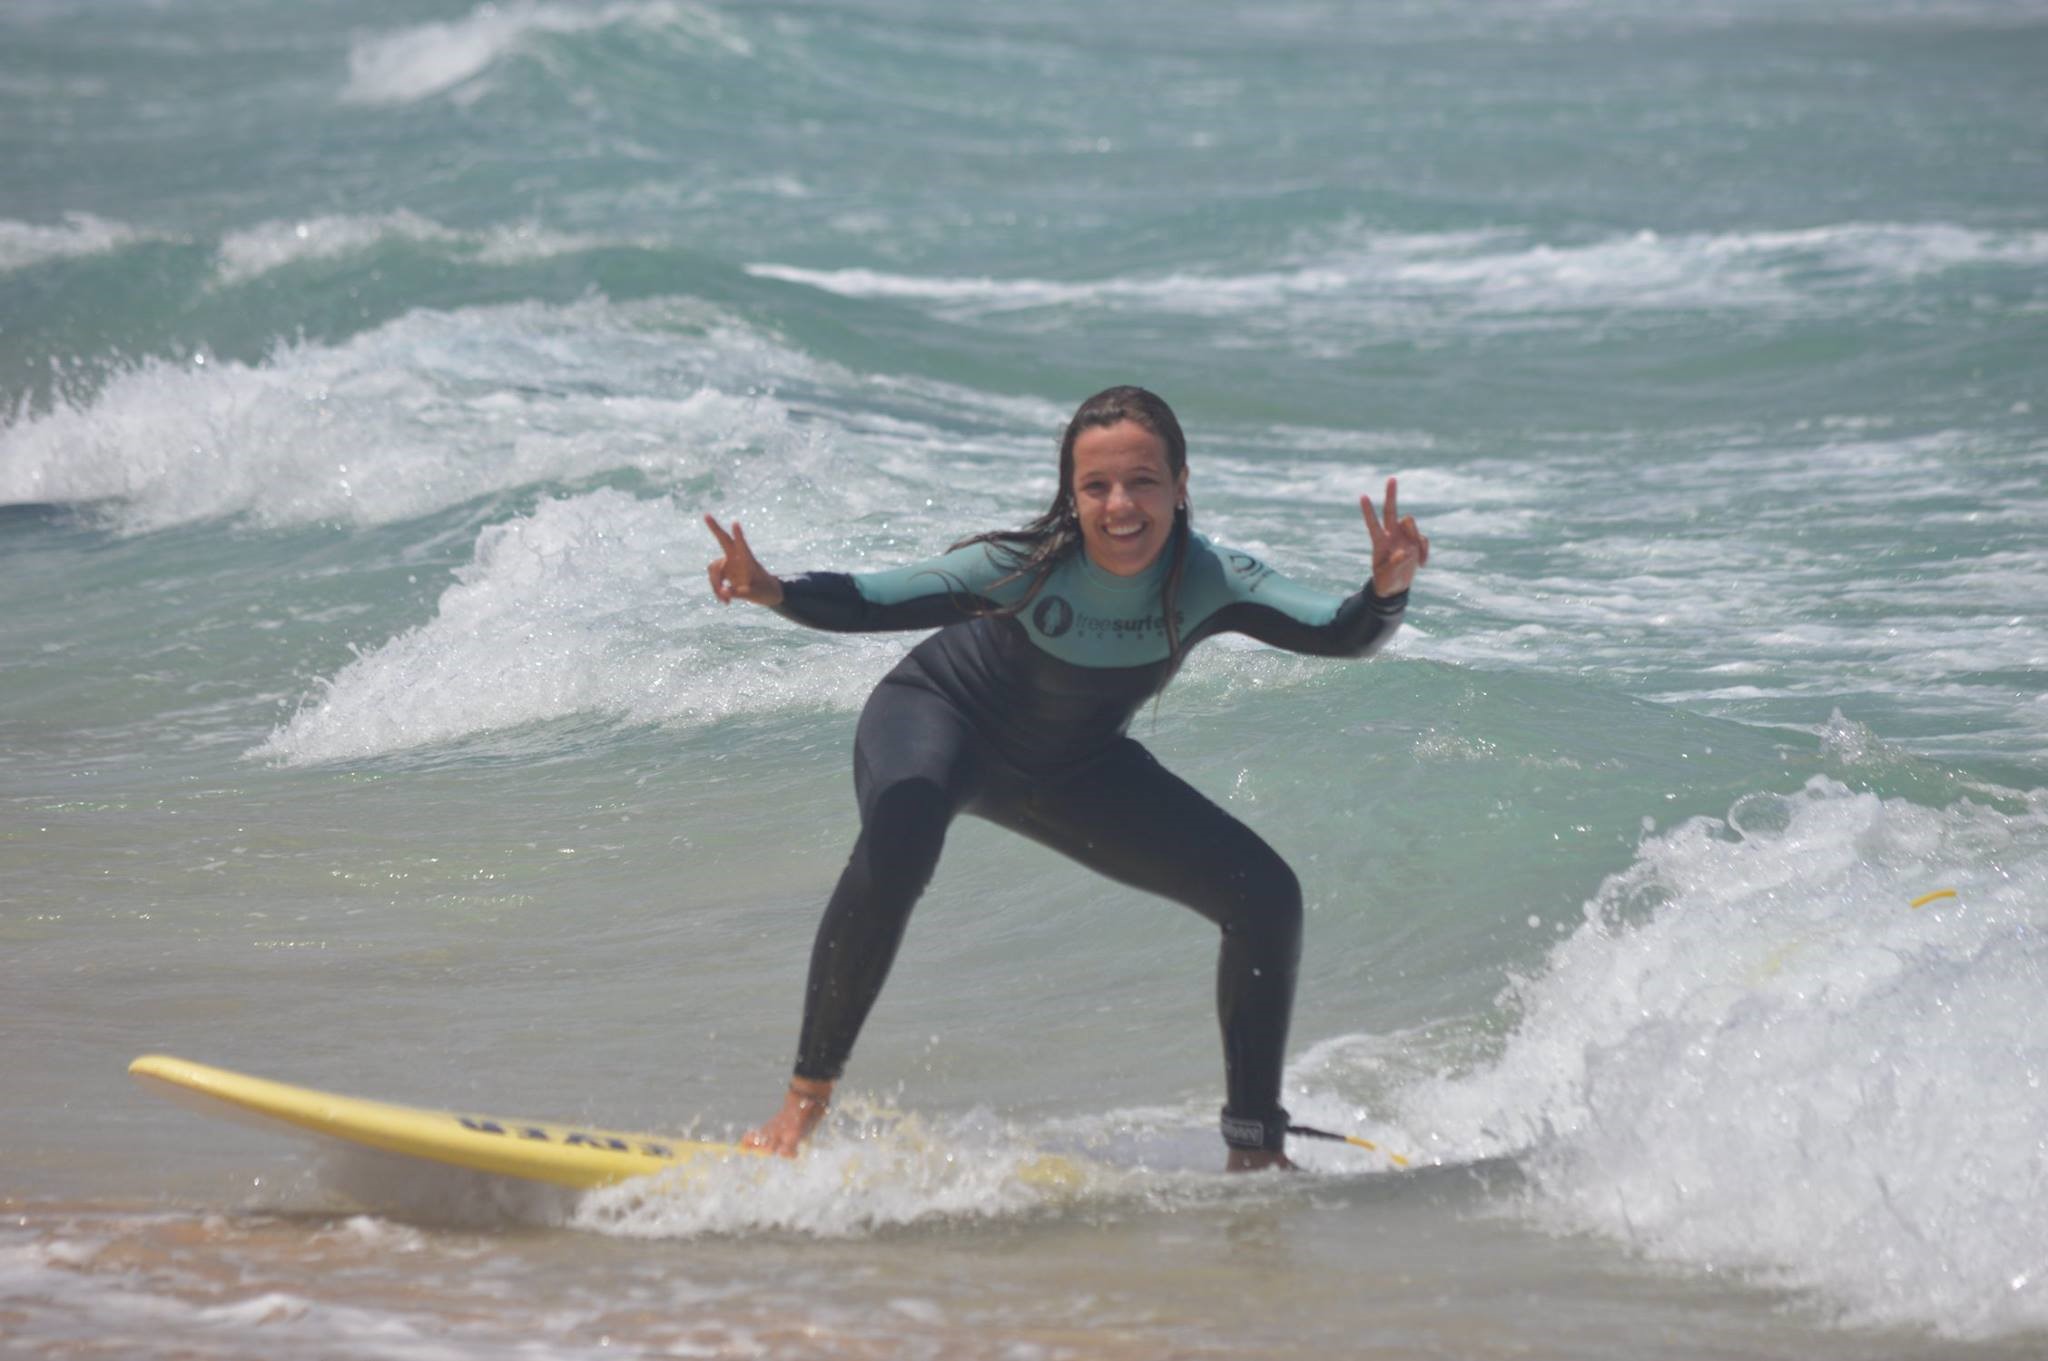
[{"x": 1124, "y": 495}]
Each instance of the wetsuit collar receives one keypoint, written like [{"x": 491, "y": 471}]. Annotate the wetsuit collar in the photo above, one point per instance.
[{"x": 1103, "y": 578}]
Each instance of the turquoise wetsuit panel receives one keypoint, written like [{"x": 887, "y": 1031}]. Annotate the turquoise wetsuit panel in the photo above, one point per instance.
[
  {"x": 1051, "y": 683},
  {"x": 1088, "y": 617},
  {"x": 969, "y": 573}
]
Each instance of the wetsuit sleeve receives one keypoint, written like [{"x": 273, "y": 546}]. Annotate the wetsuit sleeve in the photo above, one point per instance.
[
  {"x": 925, "y": 595},
  {"x": 1286, "y": 614}
]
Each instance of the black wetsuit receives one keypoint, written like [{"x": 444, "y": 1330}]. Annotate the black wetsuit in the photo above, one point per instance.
[{"x": 1020, "y": 719}]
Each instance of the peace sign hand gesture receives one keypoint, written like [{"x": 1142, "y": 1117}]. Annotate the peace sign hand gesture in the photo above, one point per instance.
[
  {"x": 736, "y": 573},
  {"x": 1398, "y": 547}
]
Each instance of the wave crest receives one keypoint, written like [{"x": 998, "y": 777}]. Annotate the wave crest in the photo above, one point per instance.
[
  {"x": 1490, "y": 273},
  {"x": 406, "y": 65},
  {"x": 424, "y": 413},
  {"x": 1755, "y": 1054}
]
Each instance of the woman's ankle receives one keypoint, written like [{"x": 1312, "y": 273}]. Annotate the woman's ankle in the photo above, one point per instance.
[{"x": 1258, "y": 1160}]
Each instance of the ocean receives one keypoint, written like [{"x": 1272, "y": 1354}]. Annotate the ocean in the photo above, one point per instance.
[{"x": 366, "y": 370}]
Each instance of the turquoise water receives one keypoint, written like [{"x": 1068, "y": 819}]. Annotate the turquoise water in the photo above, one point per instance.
[{"x": 366, "y": 370}]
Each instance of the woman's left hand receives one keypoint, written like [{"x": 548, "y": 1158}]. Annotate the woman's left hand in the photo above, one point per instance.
[{"x": 1398, "y": 547}]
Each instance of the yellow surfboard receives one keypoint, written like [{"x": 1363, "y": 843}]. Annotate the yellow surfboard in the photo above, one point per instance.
[{"x": 567, "y": 1155}]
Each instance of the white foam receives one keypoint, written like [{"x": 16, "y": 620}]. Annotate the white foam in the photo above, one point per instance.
[
  {"x": 1754, "y": 1054},
  {"x": 594, "y": 604},
  {"x": 1736, "y": 269},
  {"x": 80, "y": 234},
  {"x": 871, "y": 1171},
  {"x": 268, "y": 1309},
  {"x": 405, "y": 65},
  {"x": 255, "y": 251},
  {"x": 425, "y": 412},
  {"x": 1641, "y": 578},
  {"x": 1335, "y": 486},
  {"x": 1462, "y": 275}
]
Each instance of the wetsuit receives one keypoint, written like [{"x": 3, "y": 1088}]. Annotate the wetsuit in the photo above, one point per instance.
[{"x": 1020, "y": 719}]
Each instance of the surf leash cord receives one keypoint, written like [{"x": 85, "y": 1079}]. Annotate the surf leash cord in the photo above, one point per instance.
[{"x": 1310, "y": 1132}]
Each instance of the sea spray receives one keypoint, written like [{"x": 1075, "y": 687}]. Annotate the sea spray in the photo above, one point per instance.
[
  {"x": 592, "y": 605},
  {"x": 426, "y": 412},
  {"x": 1754, "y": 1053}
]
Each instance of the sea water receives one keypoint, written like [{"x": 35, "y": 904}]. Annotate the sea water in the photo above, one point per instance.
[{"x": 366, "y": 371}]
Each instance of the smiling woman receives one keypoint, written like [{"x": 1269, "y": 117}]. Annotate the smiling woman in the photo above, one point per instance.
[
  {"x": 1125, "y": 496},
  {"x": 1050, "y": 638}
]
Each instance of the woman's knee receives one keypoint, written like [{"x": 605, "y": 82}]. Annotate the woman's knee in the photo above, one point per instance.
[{"x": 1265, "y": 904}]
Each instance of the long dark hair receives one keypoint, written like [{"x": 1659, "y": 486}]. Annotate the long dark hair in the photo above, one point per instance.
[{"x": 1039, "y": 547}]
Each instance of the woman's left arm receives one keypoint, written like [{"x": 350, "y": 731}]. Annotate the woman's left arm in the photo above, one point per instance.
[{"x": 1286, "y": 614}]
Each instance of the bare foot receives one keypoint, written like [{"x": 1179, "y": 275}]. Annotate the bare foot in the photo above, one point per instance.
[
  {"x": 1258, "y": 1160},
  {"x": 803, "y": 1106}
]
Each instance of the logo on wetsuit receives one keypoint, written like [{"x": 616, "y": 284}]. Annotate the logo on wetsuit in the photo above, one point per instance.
[
  {"x": 1249, "y": 567},
  {"x": 1053, "y": 616}
]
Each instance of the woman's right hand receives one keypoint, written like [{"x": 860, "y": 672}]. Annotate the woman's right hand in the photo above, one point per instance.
[{"x": 736, "y": 573}]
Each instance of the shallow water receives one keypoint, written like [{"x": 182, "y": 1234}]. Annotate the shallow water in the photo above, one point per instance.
[{"x": 367, "y": 370}]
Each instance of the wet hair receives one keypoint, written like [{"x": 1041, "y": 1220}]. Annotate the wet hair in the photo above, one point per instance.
[{"x": 1039, "y": 547}]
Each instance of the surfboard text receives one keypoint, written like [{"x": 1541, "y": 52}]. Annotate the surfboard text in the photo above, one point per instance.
[{"x": 568, "y": 1138}]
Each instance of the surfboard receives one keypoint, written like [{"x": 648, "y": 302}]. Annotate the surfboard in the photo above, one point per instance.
[
  {"x": 535, "y": 1150},
  {"x": 577, "y": 1156}
]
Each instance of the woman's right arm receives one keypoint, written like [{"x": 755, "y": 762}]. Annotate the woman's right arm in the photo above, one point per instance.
[{"x": 925, "y": 595}]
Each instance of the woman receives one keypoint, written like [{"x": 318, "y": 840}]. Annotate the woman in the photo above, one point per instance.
[{"x": 1049, "y": 639}]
